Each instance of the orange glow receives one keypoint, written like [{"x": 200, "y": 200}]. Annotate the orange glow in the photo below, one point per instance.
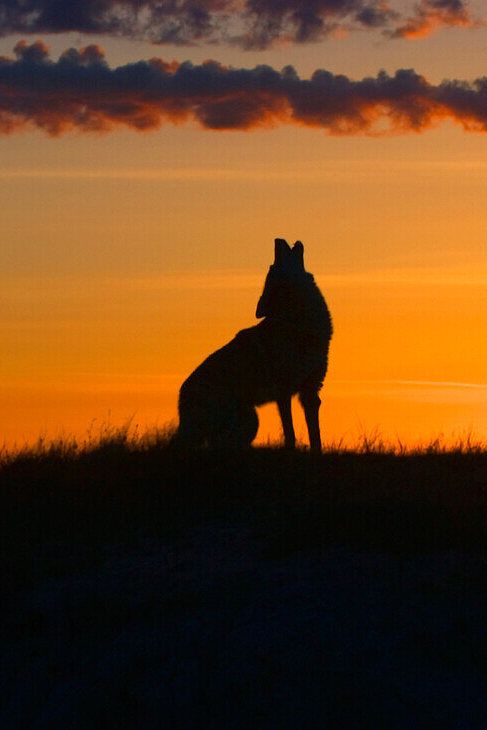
[
  {"x": 401, "y": 412},
  {"x": 407, "y": 360}
]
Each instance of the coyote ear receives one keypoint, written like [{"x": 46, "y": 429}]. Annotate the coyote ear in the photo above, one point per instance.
[
  {"x": 281, "y": 249},
  {"x": 298, "y": 253}
]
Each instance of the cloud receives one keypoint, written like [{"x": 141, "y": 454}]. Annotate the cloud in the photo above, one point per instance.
[
  {"x": 177, "y": 21},
  {"x": 81, "y": 92},
  {"x": 431, "y": 15},
  {"x": 253, "y": 24},
  {"x": 270, "y": 21}
]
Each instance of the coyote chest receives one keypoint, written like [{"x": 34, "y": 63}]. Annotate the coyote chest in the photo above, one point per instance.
[{"x": 263, "y": 363}]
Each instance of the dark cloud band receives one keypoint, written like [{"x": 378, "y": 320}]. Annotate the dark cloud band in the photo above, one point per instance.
[
  {"x": 80, "y": 91},
  {"x": 248, "y": 23}
]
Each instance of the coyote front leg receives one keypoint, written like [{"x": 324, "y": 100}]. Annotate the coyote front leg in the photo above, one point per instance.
[
  {"x": 311, "y": 402},
  {"x": 284, "y": 405}
]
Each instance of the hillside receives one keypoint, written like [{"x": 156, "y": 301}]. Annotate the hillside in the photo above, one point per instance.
[{"x": 153, "y": 588}]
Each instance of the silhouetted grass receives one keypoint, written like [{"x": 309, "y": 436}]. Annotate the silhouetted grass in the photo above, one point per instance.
[{"x": 64, "y": 503}]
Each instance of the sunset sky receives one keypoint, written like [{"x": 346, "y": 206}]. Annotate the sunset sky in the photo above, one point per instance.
[{"x": 151, "y": 152}]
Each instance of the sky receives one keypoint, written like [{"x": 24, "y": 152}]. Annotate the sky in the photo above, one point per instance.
[{"x": 150, "y": 153}]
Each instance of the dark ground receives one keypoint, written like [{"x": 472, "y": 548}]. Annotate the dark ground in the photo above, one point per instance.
[{"x": 154, "y": 589}]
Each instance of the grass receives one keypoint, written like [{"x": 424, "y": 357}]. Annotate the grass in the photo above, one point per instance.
[
  {"x": 65, "y": 503},
  {"x": 130, "y": 438}
]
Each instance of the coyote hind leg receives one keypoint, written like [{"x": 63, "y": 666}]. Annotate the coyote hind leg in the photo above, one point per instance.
[
  {"x": 235, "y": 426},
  {"x": 216, "y": 423},
  {"x": 311, "y": 402}
]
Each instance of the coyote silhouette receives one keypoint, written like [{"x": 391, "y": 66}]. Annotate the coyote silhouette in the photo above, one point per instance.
[{"x": 285, "y": 354}]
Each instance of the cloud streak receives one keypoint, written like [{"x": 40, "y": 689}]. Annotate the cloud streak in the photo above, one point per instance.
[
  {"x": 81, "y": 92},
  {"x": 247, "y": 23},
  {"x": 432, "y": 15}
]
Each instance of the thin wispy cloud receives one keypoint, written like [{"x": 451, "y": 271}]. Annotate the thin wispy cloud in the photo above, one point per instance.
[
  {"x": 283, "y": 173},
  {"x": 164, "y": 174},
  {"x": 246, "y": 23},
  {"x": 81, "y": 92},
  {"x": 436, "y": 384}
]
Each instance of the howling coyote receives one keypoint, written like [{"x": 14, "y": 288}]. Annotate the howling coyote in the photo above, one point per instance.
[{"x": 285, "y": 354}]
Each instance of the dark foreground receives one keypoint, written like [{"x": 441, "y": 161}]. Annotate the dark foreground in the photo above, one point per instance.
[{"x": 151, "y": 589}]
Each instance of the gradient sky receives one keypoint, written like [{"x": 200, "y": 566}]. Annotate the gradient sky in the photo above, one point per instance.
[{"x": 140, "y": 199}]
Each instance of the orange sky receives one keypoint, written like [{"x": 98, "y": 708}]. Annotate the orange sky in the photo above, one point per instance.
[{"x": 127, "y": 257}]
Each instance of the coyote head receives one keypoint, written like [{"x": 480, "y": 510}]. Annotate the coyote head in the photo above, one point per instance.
[{"x": 282, "y": 279}]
